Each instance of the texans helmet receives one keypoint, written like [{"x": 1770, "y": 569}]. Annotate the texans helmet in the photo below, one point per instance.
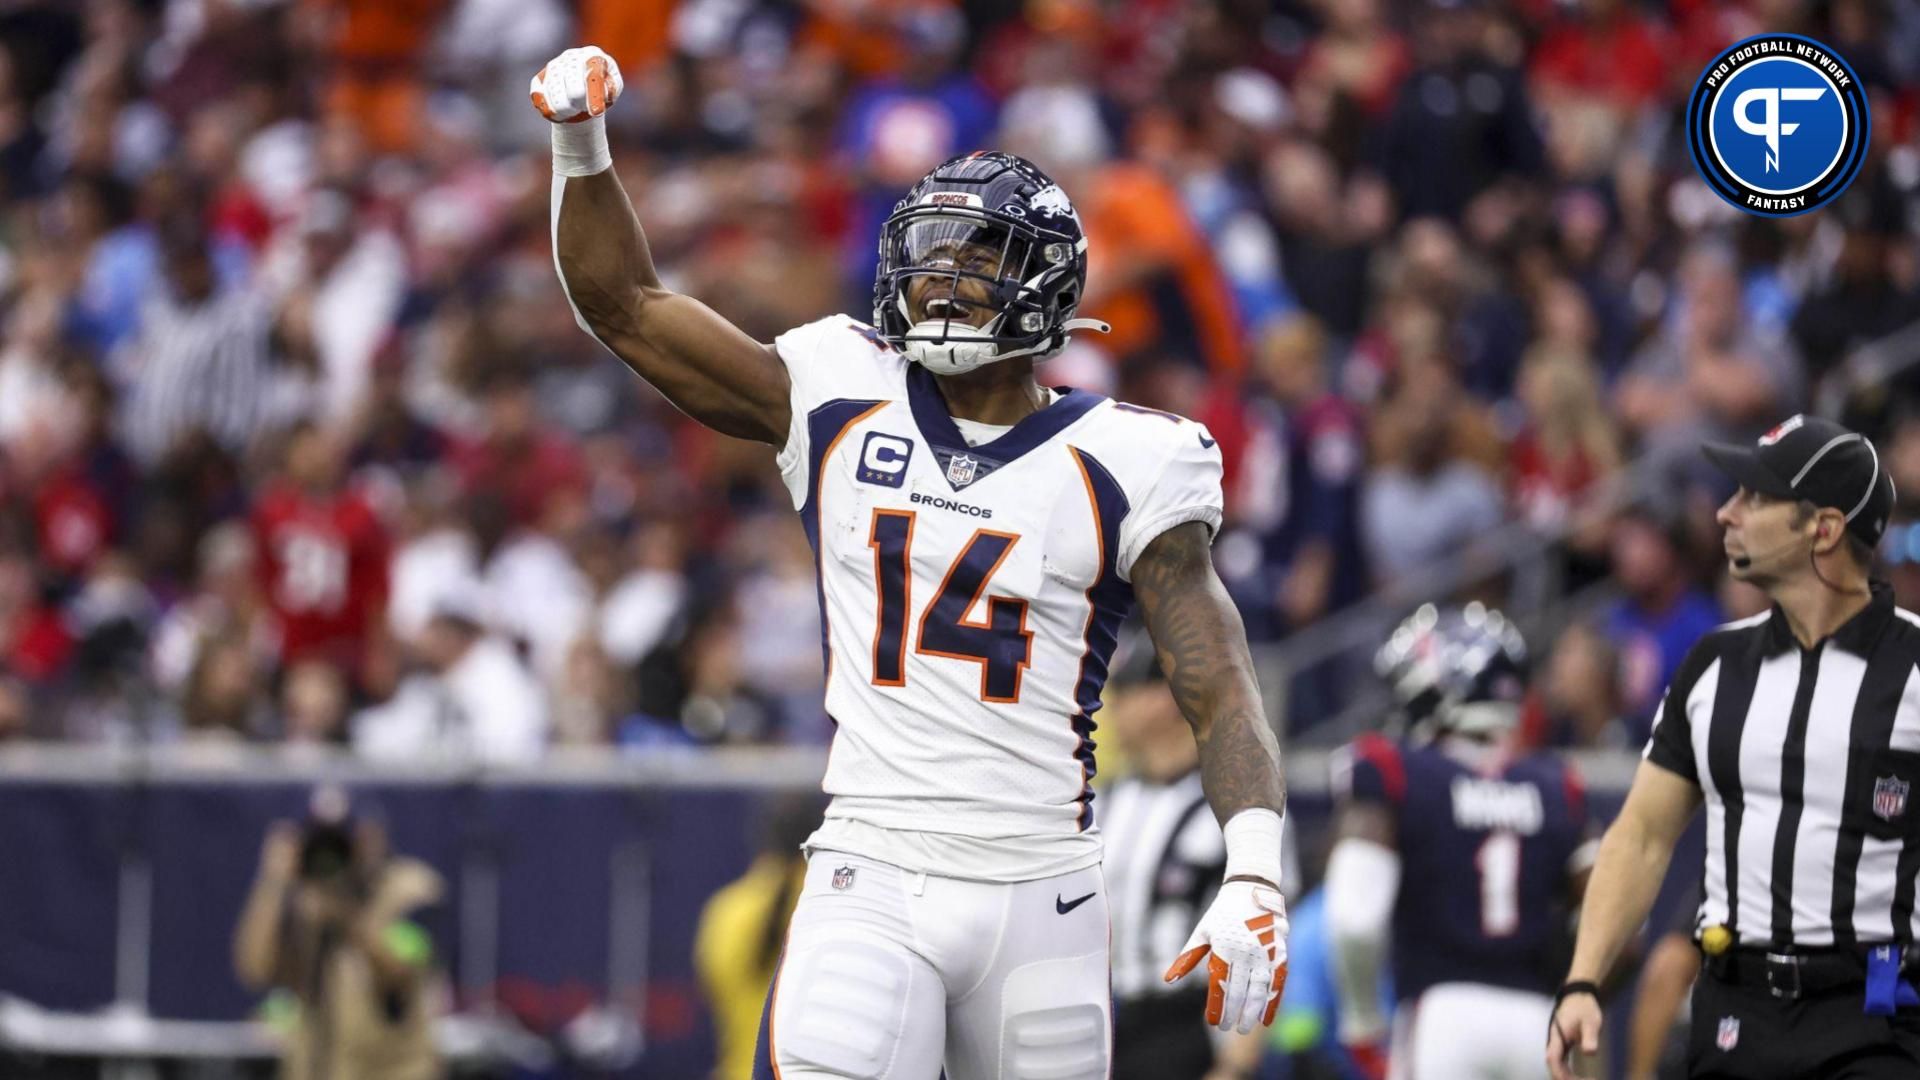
[
  {"x": 1456, "y": 670},
  {"x": 997, "y": 221}
]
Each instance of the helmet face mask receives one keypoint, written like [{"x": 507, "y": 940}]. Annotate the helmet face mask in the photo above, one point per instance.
[
  {"x": 963, "y": 258},
  {"x": 982, "y": 261},
  {"x": 1460, "y": 671}
]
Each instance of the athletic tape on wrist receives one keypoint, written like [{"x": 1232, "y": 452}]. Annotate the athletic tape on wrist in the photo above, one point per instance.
[
  {"x": 1253, "y": 845},
  {"x": 581, "y": 149}
]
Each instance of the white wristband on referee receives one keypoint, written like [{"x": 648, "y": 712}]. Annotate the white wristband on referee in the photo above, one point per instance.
[
  {"x": 1253, "y": 845},
  {"x": 581, "y": 149}
]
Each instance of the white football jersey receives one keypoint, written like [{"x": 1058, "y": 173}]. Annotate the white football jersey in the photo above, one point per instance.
[{"x": 970, "y": 597}]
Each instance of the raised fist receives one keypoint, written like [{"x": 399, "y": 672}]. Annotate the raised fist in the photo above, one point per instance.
[{"x": 577, "y": 85}]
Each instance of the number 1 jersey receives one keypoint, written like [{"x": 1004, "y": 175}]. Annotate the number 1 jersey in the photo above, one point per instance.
[
  {"x": 970, "y": 597},
  {"x": 1486, "y": 857}
]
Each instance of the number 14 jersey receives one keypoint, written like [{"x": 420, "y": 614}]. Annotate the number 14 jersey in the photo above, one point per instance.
[{"x": 970, "y": 597}]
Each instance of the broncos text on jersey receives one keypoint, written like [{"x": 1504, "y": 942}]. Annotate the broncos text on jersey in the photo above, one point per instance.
[{"x": 970, "y": 597}]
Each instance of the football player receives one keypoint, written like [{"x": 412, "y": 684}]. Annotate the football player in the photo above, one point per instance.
[
  {"x": 1457, "y": 858},
  {"x": 978, "y": 538}
]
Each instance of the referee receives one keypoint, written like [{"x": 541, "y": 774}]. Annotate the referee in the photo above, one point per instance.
[
  {"x": 1800, "y": 728},
  {"x": 1165, "y": 858}
]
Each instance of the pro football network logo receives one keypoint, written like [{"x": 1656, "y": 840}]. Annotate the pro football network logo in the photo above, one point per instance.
[{"x": 1778, "y": 125}]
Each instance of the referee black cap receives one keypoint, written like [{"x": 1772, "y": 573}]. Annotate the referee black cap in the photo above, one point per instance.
[{"x": 1806, "y": 457}]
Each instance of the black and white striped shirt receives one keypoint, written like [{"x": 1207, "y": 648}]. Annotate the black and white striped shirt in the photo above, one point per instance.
[
  {"x": 1809, "y": 760},
  {"x": 194, "y": 366},
  {"x": 1163, "y": 863}
]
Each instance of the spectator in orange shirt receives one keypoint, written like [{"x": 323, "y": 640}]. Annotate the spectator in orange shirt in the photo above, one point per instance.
[
  {"x": 375, "y": 48},
  {"x": 636, "y": 33},
  {"x": 1151, "y": 272}
]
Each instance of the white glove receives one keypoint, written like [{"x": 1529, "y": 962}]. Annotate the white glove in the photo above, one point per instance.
[
  {"x": 577, "y": 86},
  {"x": 1246, "y": 931}
]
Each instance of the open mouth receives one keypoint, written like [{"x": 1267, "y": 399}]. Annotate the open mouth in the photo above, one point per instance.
[{"x": 946, "y": 307}]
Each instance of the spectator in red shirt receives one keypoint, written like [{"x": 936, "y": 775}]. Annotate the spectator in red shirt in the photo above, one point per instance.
[
  {"x": 519, "y": 458},
  {"x": 1358, "y": 60},
  {"x": 1593, "y": 74},
  {"x": 81, "y": 503},
  {"x": 1568, "y": 444},
  {"x": 34, "y": 642},
  {"x": 1606, "y": 50},
  {"x": 323, "y": 556}
]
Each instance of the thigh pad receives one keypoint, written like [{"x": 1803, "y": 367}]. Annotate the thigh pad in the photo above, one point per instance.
[
  {"x": 842, "y": 1008},
  {"x": 1054, "y": 1020}
]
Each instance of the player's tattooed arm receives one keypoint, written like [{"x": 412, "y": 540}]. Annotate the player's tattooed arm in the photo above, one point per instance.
[
  {"x": 1202, "y": 646},
  {"x": 709, "y": 368}
]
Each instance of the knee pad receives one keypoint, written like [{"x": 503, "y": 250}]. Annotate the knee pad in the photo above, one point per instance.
[
  {"x": 841, "y": 1008},
  {"x": 1056, "y": 1023}
]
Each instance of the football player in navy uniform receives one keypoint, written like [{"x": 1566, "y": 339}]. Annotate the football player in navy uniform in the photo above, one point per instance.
[{"x": 1457, "y": 860}]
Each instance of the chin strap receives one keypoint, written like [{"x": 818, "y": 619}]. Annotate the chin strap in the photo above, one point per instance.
[{"x": 944, "y": 352}]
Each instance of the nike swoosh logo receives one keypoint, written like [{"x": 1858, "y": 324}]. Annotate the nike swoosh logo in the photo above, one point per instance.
[
  {"x": 1206, "y": 443},
  {"x": 1064, "y": 906}
]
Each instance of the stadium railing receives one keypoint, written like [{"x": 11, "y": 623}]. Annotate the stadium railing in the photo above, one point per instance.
[
  {"x": 575, "y": 884},
  {"x": 1520, "y": 563}
]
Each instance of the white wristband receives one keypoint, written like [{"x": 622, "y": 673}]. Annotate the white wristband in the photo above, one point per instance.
[
  {"x": 1253, "y": 845},
  {"x": 581, "y": 149}
]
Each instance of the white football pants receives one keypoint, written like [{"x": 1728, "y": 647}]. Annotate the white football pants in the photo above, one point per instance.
[
  {"x": 891, "y": 975},
  {"x": 1468, "y": 1031}
]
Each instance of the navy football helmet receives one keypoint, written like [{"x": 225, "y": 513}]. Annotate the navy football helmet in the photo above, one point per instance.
[
  {"x": 988, "y": 230},
  {"x": 1456, "y": 670}
]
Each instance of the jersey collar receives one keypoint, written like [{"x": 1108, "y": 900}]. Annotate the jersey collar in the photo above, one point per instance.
[
  {"x": 944, "y": 439},
  {"x": 1857, "y": 635}
]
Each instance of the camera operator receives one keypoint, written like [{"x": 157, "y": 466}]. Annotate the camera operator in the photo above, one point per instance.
[{"x": 329, "y": 920}]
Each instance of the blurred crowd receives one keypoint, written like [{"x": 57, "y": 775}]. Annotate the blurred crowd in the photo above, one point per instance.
[{"x": 299, "y": 441}]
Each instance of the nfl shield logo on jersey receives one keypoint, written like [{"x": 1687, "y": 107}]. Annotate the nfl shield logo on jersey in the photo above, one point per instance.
[
  {"x": 1889, "y": 797},
  {"x": 843, "y": 878},
  {"x": 960, "y": 470},
  {"x": 1728, "y": 1036}
]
